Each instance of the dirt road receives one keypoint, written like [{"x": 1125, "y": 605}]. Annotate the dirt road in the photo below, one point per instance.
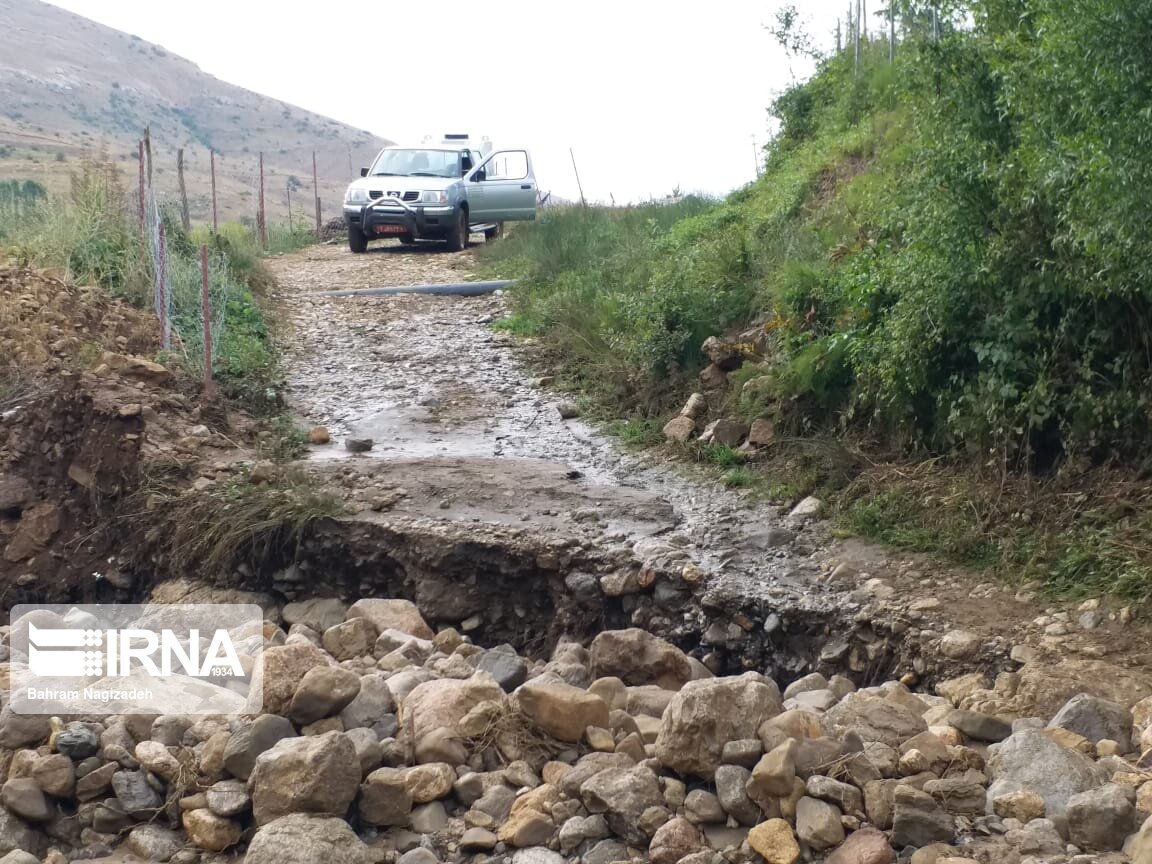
[{"x": 463, "y": 435}]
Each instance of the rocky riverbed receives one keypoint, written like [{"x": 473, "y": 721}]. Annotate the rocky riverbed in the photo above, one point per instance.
[{"x": 385, "y": 741}]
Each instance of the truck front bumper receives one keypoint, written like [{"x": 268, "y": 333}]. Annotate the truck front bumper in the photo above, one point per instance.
[{"x": 391, "y": 217}]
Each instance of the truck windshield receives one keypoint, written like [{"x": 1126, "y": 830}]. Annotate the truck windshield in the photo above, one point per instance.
[{"x": 417, "y": 163}]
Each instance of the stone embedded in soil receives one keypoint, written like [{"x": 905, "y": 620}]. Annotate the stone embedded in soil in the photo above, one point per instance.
[
  {"x": 637, "y": 657},
  {"x": 680, "y": 429},
  {"x": 960, "y": 644},
  {"x": 807, "y": 508},
  {"x": 561, "y": 710},
  {"x": 393, "y": 614},
  {"x": 319, "y": 435},
  {"x": 358, "y": 445},
  {"x": 725, "y": 431}
]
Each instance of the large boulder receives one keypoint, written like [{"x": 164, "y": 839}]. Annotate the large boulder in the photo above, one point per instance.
[
  {"x": 385, "y": 798},
  {"x": 876, "y": 719},
  {"x": 323, "y": 692},
  {"x": 318, "y": 774},
  {"x": 1045, "y": 687},
  {"x": 1030, "y": 761},
  {"x": 304, "y": 839},
  {"x": 918, "y": 821},
  {"x": 707, "y": 714},
  {"x": 399, "y": 615},
  {"x": 1100, "y": 819},
  {"x": 281, "y": 669},
  {"x": 246, "y": 744},
  {"x": 1096, "y": 719},
  {"x": 623, "y": 796},
  {"x": 561, "y": 710},
  {"x": 434, "y": 709},
  {"x": 637, "y": 657}
]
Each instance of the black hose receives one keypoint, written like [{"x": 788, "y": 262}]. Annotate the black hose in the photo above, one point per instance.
[{"x": 460, "y": 289}]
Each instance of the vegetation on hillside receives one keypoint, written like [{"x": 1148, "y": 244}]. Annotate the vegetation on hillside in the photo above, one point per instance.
[
  {"x": 93, "y": 235},
  {"x": 952, "y": 258}
]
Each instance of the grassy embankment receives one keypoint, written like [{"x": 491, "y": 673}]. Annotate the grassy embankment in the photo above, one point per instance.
[
  {"x": 92, "y": 235},
  {"x": 951, "y": 262}
]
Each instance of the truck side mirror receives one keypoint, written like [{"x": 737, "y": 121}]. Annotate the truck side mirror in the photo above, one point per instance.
[
  {"x": 482, "y": 174},
  {"x": 363, "y": 172}
]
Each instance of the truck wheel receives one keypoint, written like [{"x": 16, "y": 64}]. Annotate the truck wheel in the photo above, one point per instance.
[
  {"x": 458, "y": 239},
  {"x": 357, "y": 240},
  {"x": 494, "y": 233}
]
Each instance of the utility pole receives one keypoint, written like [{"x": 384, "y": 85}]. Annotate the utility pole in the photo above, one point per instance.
[
  {"x": 576, "y": 171},
  {"x": 756, "y": 155}
]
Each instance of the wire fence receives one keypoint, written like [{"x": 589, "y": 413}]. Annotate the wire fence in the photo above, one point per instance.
[{"x": 193, "y": 282}]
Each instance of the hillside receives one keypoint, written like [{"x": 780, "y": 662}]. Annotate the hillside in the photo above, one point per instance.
[
  {"x": 58, "y": 104},
  {"x": 937, "y": 297}
]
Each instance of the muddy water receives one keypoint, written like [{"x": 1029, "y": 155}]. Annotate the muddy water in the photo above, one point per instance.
[{"x": 428, "y": 378}]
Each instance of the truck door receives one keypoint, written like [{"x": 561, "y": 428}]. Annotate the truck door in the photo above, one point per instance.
[{"x": 503, "y": 188}]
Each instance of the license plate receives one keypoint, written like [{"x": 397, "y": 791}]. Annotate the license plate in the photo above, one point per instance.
[{"x": 391, "y": 229}]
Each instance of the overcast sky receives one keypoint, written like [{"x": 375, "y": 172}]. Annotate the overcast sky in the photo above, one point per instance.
[{"x": 649, "y": 95}]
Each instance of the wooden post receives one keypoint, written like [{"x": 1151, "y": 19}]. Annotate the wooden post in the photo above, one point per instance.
[
  {"x": 162, "y": 281},
  {"x": 215, "y": 224},
  {"x": 207, "y": 311},
  {"x": 288, "y": 189},
  {"x": 261, "y": 226},
  {"x": 184, "y": 220},
  {"x": 316, "y": 194},
  {"x": 141, "y": 190},
  {"x": 577, "y": 173}
]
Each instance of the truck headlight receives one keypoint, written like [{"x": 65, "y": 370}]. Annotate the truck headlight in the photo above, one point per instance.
[
  {"x": 356, "y": 196},
  {"x": 434, "y": 196}
]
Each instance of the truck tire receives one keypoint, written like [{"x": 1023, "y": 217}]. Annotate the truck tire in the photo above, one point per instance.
[
  {"x": 458, "y": 239},
  {"x": 494, "y": 233},
  {"x": 357, "y": 240}
]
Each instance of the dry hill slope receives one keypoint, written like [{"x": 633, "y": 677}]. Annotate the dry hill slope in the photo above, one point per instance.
[{"x": 70, "y": 87}]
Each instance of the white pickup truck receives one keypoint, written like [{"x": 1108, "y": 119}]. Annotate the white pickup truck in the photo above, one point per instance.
[{"x": 441, "y": 190}]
